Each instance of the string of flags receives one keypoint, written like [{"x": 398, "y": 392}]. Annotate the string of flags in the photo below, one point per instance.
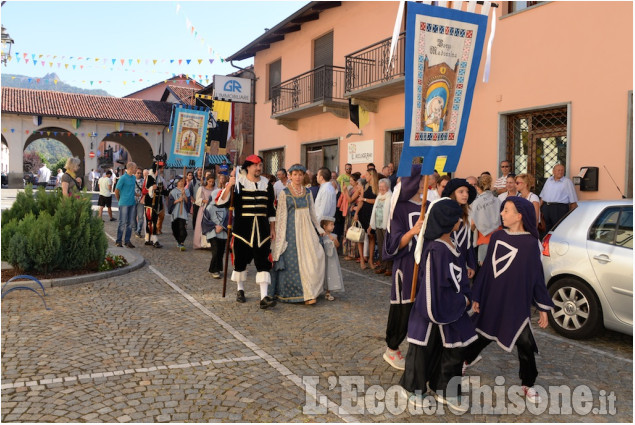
[
  {"x": 68, "y": 133},
  {"x": 200, "y": 80},
  {"x": 192, "y": 30},
  {"x": 82, "y": 62}
]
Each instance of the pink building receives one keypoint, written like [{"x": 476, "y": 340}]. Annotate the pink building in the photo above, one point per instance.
[{"x": 560, "y": 90}]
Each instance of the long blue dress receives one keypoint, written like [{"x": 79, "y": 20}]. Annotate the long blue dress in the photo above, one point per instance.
[{"x": 299, "y": 263}]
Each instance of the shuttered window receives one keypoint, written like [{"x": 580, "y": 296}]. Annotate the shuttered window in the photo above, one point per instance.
[
  {"x": 275, "y": 77},
  {"x": 323, "y": 50}
]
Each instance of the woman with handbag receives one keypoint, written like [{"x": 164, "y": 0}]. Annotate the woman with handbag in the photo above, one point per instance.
[
  {"x": 299, "y": 263},
  {"x": 378, "y": 223},
  {"x": 363, "y": 215},
  {"x": 350, "y": 195}
]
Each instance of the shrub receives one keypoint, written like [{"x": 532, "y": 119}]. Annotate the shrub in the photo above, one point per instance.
[
  {"x": 52, "y": 232},
  {"x": 113, "y": 262}
]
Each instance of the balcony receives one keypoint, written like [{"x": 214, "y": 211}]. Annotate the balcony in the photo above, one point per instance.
[
  {"x": 314, "y": 92},
  {"x": 368, "y": 76}
]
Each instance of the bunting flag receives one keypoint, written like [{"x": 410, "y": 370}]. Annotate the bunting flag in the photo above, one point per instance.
[
  {"x": 358, "y": 115},
  {"x": 443, "y": 54},
  {"x": 188, "y": 139}
]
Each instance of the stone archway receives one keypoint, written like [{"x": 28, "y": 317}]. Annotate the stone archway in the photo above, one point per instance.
[
  {"x": 137, "y": 147},
  {"x": 63, "y": 136}
]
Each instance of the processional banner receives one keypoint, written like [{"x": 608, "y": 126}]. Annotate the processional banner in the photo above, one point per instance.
[
  {"x": 188, "y": 138},
  {"x": 443, "y": 53}
]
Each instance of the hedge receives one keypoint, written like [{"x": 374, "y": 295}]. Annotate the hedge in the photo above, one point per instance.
[{"x": 49, "y": 232}]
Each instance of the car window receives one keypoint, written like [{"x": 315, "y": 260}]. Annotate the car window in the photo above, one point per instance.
[
  {"x": 624, "y": 235},
  {"x": 603, "y": 229}
]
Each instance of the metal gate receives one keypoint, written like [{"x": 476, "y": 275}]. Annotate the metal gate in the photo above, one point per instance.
[
  {"x": 536, "y": 141},
  {"x": 273, "y": 161}
]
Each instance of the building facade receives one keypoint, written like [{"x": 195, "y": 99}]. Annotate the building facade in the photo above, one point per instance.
[{"x": 559, "y": 91}]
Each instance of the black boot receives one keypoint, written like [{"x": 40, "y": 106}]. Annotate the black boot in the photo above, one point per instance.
[
  {"x": 240, "y": 296},
  {"x": 267, "y": 302}
]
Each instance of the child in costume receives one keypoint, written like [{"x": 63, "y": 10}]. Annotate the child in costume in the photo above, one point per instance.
[
  {"x": 463, "y": 193},
  {"x": 178, "y": 207},
  {"x": 439, "y": 327},
  {"x": 333, "y": 274},
  {"x": 510, "y": 281},
  {"x": 402, "y": 232}
]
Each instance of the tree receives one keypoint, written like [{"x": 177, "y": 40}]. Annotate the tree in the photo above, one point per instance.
[{"x": 32, "y": 162}]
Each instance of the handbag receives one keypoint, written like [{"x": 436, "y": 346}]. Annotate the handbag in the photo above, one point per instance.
[{"x": 355, "y": 233}]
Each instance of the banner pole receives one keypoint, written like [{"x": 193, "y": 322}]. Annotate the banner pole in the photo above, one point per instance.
[{"x": 415, "y": 273}]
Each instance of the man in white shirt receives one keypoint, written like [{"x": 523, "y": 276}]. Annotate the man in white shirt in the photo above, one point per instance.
[
  {"x": 500, "y": 185},
  {"x": 91, "y": 179},
  {"x": 105, "y": 195},
  {"x": 557, "y": 197},
  {"x": 326, "y": 199},
  {"x": 279, "y": 185},
  {"x": 43, "y": 176}
]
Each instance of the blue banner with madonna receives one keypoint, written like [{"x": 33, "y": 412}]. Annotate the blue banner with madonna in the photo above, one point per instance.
[
  {"x": 443, "y": 53},
  {"x": 188, "y": 138}
]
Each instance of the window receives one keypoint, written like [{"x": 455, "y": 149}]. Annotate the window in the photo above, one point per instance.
[
  {"x": 536, "y": 141},
  {"x": 274, "y": 160},
  {"x": 318, "y": 155},
  {"x": 517, "y": 6},
  {"x": 275, "y": 78},
  {"x": 614, "y": 226},
  {"x": 396, "y": 146}
]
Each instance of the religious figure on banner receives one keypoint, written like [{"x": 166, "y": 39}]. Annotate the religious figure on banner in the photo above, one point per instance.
[
  {"x": 188, "y": 134},
  {"x": 439, "y": 83}
]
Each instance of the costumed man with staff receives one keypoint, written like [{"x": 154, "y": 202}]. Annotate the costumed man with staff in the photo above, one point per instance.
[
  {"x": 253, "y": 227},
  {"x": 154, "y": 192}
]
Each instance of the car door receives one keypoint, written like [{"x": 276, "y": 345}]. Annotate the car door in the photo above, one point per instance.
[{"x": 610, "y": 251}]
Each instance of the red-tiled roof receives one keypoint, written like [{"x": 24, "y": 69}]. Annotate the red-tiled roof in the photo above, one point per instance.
[
  {"x": 184, "y": 94},
  {"x": 84, "y": 106}
]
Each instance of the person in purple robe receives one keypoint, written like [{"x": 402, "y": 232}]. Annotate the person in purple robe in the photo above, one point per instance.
[
  {"x": 439, "y": 326},
  {"x": 401, "y": 236},
  {"x": 463, "y": 193},
  {"x": 509, "y": 283}
]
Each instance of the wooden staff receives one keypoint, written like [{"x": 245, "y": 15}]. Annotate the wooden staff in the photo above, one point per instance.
[
  {"x": 415, "y": 273},
  {"x": 230, "y": 218}
]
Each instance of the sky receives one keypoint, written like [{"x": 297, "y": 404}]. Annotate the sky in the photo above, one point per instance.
[{"x": 149, "y": 36}]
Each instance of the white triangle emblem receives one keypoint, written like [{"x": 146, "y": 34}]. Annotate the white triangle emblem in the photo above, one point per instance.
[
  {"x": 503, "y": 257},
  {"x": 457, "y": 275},
  {"x": 460, "y": 236}
]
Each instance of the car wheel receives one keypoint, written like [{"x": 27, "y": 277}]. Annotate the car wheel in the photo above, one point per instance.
[{"x": 577, "y": 313}]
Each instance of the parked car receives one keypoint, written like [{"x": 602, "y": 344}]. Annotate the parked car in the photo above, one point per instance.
[
  {"x": 30, "y": 178},
  {"x": 588, "y": 264}
]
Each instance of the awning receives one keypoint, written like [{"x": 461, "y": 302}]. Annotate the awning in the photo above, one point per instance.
[{"x": 216, "y": 159}]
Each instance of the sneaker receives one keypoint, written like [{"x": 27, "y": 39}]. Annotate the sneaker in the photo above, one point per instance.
[
  {"x": 113, "y": 219},
  {"x": 157, "y": 245},
  {"x": 182, "y": 247},
  {"x": 138, "y": 234},
  {"x": 454, "y": 403},
  {"x": 531, "y": 394},
  {"x": 118, "y": 244},
  {"x": 395, "y": 359},
  {"x": 467, "y": 365},
  {"x": 240, "y": 296},
  {"x": 149, "y": 243},
  {"x": 129, "y": 245},
  {"x": 216, "y": 275},
  {"x": 267, "y": 302}
]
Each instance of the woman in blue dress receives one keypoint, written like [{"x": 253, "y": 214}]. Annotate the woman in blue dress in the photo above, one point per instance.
[{"x": 298, "y": 271}]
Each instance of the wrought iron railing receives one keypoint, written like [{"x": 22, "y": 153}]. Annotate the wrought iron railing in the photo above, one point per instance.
[
  {"x": 369, "y": 66},
  {"x": 325, "y": 83}
]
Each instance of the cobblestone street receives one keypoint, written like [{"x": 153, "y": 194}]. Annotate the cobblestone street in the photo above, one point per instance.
[{"x": 160, "y": 344}]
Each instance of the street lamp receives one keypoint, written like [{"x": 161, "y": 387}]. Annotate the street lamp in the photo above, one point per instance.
[{"x": 7, "y": 42}]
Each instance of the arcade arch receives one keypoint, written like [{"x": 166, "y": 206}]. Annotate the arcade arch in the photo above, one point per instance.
[{"x": 63, "y": 136}]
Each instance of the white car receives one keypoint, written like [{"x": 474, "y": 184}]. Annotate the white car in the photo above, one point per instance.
[{"x": 588, "y": 264}]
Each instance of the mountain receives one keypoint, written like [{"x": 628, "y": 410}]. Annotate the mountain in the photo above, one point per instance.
[{"x": 46, "y": 83}]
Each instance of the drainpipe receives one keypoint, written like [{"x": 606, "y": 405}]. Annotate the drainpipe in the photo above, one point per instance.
[{"x": 253, "y": 101}]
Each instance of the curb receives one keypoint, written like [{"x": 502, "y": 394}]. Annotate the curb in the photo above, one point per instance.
[{"x": 136, "y": 264}]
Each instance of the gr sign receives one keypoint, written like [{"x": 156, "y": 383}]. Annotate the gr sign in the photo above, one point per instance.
[{"x": 232, "y": 89}]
